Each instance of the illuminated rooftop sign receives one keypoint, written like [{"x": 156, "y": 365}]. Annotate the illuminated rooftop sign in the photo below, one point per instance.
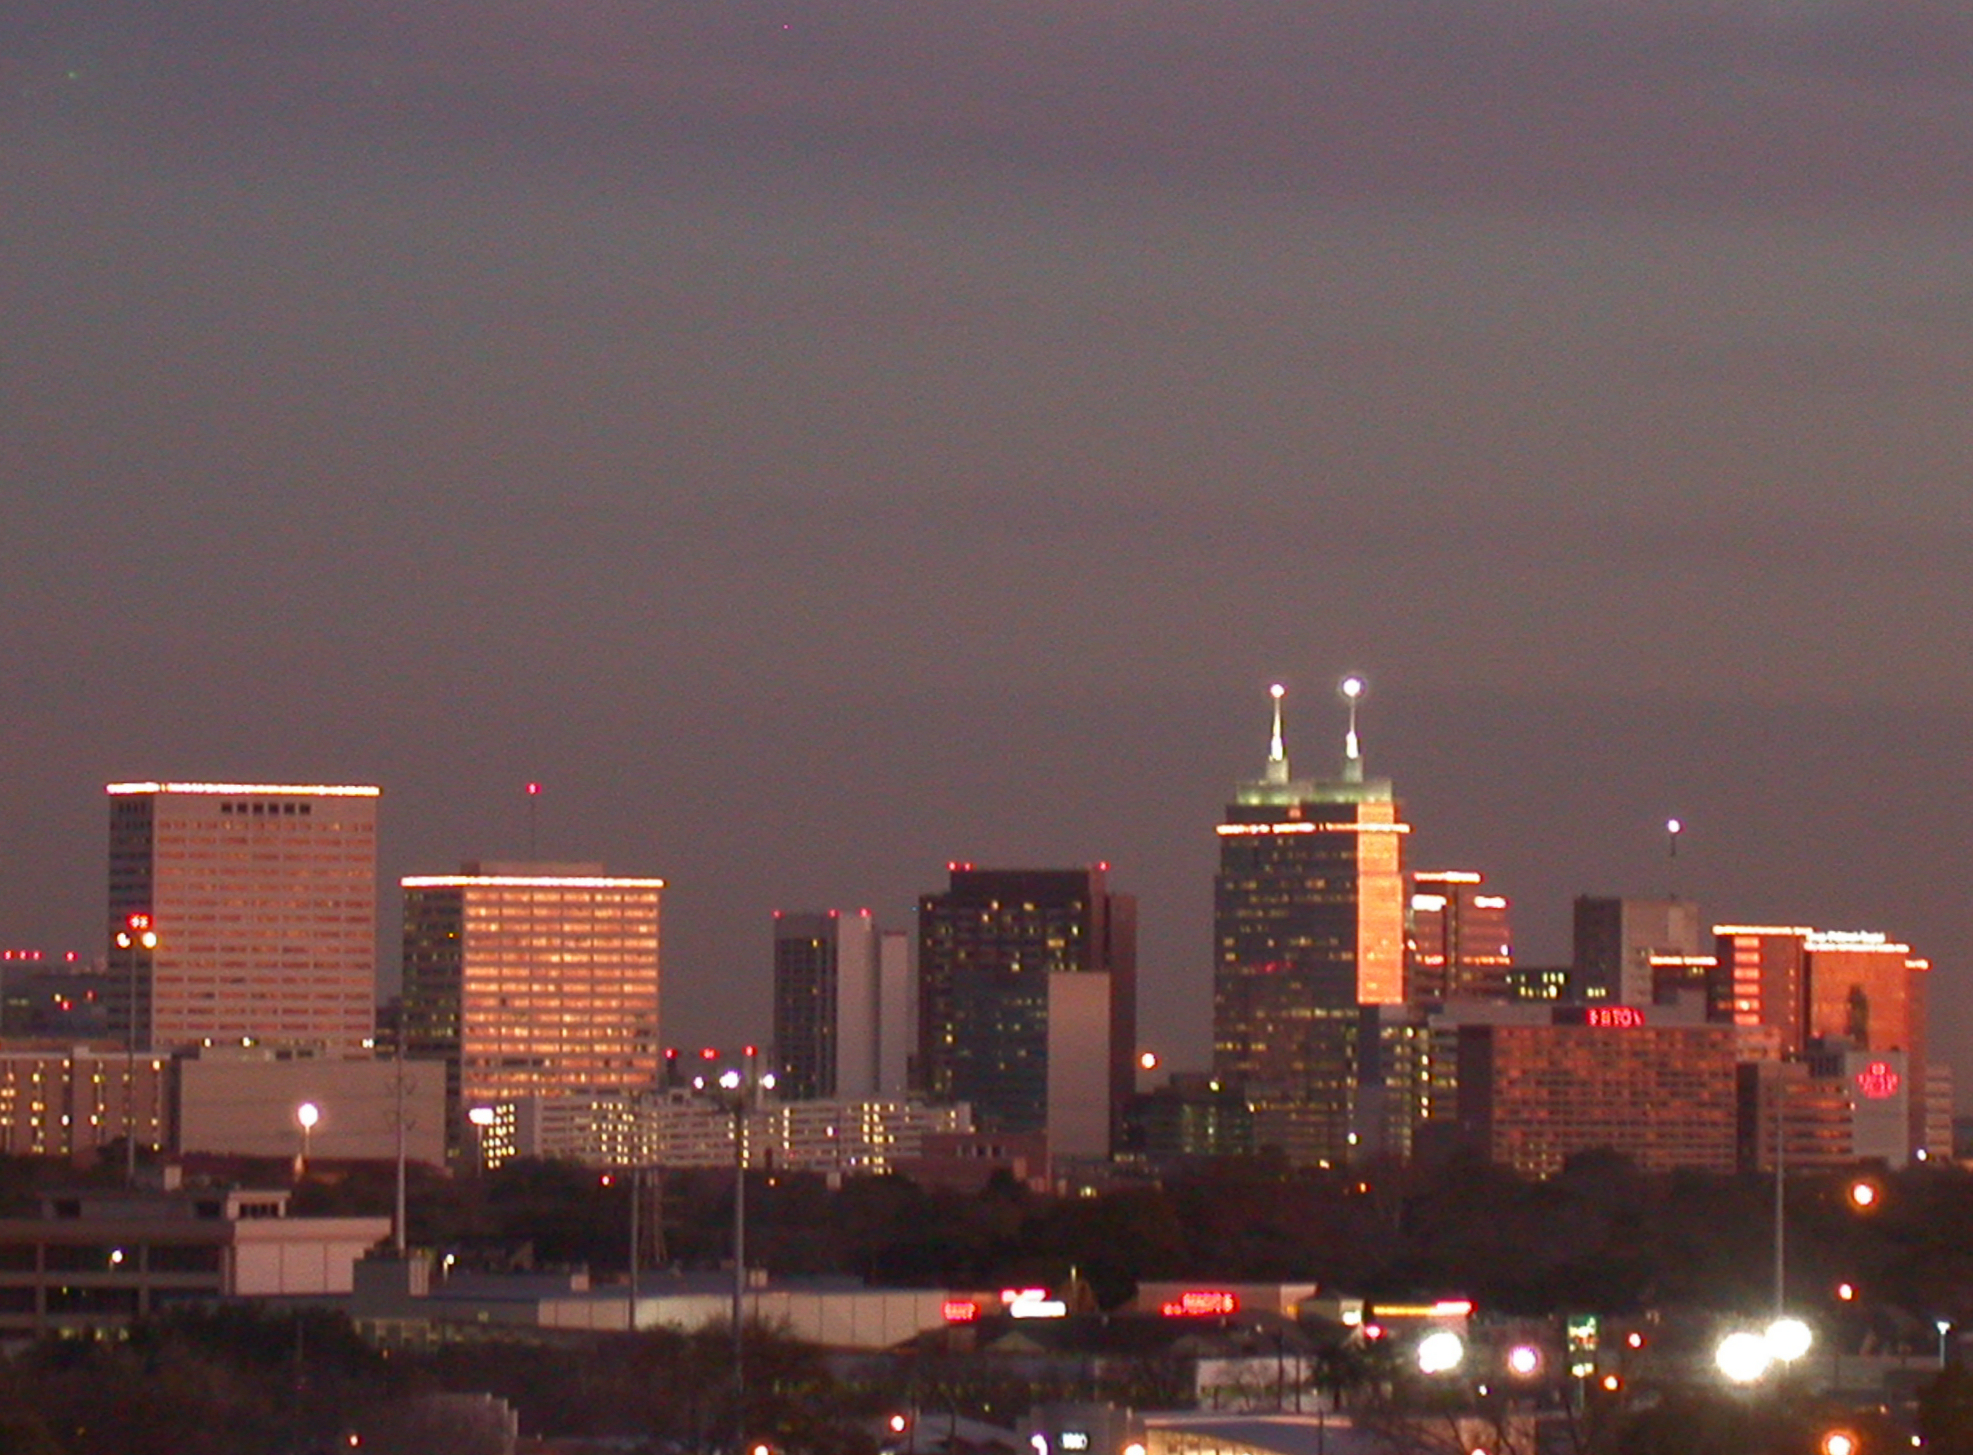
[
  {"x": 1870, "y": 940},
  {"x": 1879, "y": 1081},
  {"x": 1200, "y": 1303},
  {"x": 1604, "y": 1017},
  {"x": 1032, "y": 1303}
]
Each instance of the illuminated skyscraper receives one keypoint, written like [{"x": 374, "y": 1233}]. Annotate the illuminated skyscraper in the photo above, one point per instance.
[
  {"x": 532, "y": 979},
  {"x": 1461, "y": 944},
  {"x": 1027, "y": 994},
  {"x": 258, "y": 909},
  {"x": 1309, "y": 910}
]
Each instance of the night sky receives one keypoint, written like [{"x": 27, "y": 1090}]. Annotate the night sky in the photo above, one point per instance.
[{"x": 822, "y": 440}]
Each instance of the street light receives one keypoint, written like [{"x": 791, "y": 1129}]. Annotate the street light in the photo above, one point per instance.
[
  {"x": 1788, "y": 1339},
  {"x": 482, "y": 1118},
  {"x": 1743, "y": 1357},
  {"x": 1944, "y": 1326},
  {"x": 738, "y": 1088},
  {"x": 306, "y": 1115},
  {"x": 1440, "y": 1352},
  {"x": 138, "y": 933}
]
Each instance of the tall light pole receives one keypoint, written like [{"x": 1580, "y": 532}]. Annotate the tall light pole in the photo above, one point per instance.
[
  {"x": 738, "y": 1088},
  {"x": 1780, "y": 1202},
  {"x": 137, "y": 934}
]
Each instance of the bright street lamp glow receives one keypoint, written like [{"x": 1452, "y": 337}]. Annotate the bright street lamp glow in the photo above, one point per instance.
[
  {"x": 1352, "y": 687},
  {"x": 1788, "y": 1339},
  {"x": 730, "y": 1080},
  {"x": 1277, "y": 692},
  {"x": 1839, "y": 1442},
  {"x": 1673, "y": 826},
  {"x": 308, "y": 1114},
  {"x": 1440, "y": 1353},
  {"x": 1743, "y": 1357},
  {"x": 481, "y": 1116},
  {"x": 1523, "y": 1359}
]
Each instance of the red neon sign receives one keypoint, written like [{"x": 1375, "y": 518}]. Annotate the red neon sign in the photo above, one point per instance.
[
  {"x": 1199, "y": 1303},
  {"x": 1613, "y": 1017},
  {"x": 960, "y": 1311},
  {"x": 1878, "y": 1080}
]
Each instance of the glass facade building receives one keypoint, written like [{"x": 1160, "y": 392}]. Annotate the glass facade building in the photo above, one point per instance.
[{"x": 1027, "y": 982}]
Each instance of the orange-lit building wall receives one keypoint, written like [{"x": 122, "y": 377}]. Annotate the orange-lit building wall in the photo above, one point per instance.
[
  {"x": 1665, "y": 1096},
  {"x": 533, "y": 984},
  {"x": 1380, "y": 899},
  {"x": 1760, "y": 979},
  {"x": 1870, "y": 991}
]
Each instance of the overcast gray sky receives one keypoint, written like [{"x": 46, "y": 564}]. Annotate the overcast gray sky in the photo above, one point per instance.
[{"x": 821, "y": 440}]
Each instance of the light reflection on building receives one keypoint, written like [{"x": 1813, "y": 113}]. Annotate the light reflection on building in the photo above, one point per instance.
[{"x": 532, "y": 980}]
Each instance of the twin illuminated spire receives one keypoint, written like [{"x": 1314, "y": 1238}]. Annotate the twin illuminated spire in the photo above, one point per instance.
[{"x": 1351, "y": 688}]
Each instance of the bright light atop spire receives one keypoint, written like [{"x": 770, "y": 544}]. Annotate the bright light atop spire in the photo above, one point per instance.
[
  {"x": 1352, "y": 689},
  {"x": 1277, "y": 751}
]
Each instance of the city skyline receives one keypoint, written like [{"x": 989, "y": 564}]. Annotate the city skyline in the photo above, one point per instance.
[
  {"x": 695, "y": 1016},
  {"x": 820, "y": 446}
]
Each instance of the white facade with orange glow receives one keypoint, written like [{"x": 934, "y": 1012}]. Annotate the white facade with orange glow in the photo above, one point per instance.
[{"x": 262, "y": 899}]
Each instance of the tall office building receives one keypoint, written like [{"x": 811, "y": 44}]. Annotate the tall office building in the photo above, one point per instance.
[
  {"x": 1027, "y": 992},
  {"x": 1616, "y": 939},
  {"x": 257, "y": 905},
  {"x": 841, "y": 1008},
  {"x": 1461, "y": 944},
  {"x": 1308, "y": 925},
  {"x": 531, "y": 980},
  {"x": 1827, "y": 991}
]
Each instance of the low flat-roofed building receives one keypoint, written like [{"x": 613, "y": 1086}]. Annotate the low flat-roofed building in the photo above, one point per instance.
[
  {"x": 96, "y": 1260},
  {"x": 407, "y": 1301},
  {"x": 968, "y": 1161},
  {"x": 682, "y": 1128},
  {"x": 243, "y": 1101}
]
